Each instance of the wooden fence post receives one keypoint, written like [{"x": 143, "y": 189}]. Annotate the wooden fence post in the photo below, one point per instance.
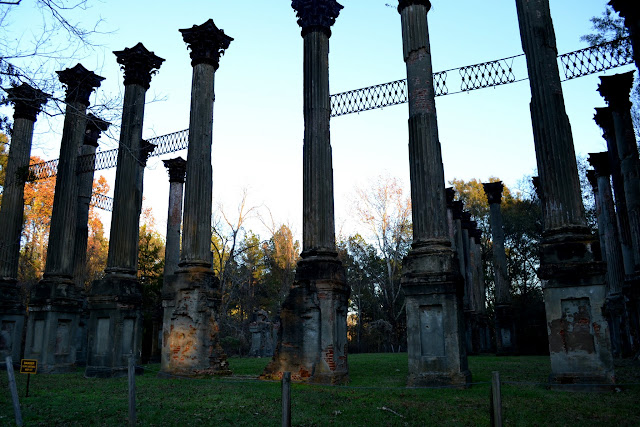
[
  {"x": 132, "y": 390},
  {"x": 496, "y": 400},
  {"x": 286, "y": 399},
  {"x": 14, "y": 391}
]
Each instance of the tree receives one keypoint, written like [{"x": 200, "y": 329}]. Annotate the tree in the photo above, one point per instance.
[
  {"x": 385, "y": 211},
  {"x": 56, "y": 39},
  {"x": 608, "y": 27}
]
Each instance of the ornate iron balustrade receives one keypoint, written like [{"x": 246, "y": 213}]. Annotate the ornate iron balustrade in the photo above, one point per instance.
[
  {"x": 597, "y": 58},
  {"x": 101, "y": 201}
]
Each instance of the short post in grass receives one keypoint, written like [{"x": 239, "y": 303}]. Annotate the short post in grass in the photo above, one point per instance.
[
  {"x": 132, "y": 390},
  {"x": 286, "y": 399},
  {"x": 496, "y": 400},
  {"x": 14, "y": 390}
]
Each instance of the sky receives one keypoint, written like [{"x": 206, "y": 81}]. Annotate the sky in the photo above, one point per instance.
[{"x": 258, "y": 122}]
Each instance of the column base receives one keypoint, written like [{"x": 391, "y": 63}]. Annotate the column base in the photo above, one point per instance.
[
  {"x": 582, "y": 382},
  {"x": 54, "y": 314},
  {"x": 433, "y": 290},
  {"x": 190, "y": 332},
  {"x": 115, "y": 325},
  {"x": 312, "y": 340},
  {"x": 574, "y": 294},
  {"x": 505, "y": 330},
  {"x": 13, "y": 314}
]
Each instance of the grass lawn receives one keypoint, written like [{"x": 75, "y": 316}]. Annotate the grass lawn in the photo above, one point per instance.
[{"x": 375, "y": 397}]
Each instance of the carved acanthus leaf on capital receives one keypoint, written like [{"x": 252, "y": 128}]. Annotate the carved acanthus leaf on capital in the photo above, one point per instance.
[
  {"x": 604, "y": 119},
  {"x": 600, "y": 162},
  {"x": 27, "y": 100},
  {"x": 138, "y": 64},
  {"x": 316, "y": 14},
  {"x": 207, "y": 43},
  {"x": 146, "y": 148},
  {"x": 405, "y": 3},
  {"x": 493, "y": 190},
  {"x": 450, "y": 194},
  {"x": 177, "y": 169},
  {"x": 616, "y": 89},
  {"x": 95, "y": 126},
  {"x": 80, "y": 82}
]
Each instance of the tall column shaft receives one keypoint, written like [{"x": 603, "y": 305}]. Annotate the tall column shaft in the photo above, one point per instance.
[
  {"x": 628, "y": 9},
  {"x": 64, "y": 214},
  {"x": 196, "y": 237},
  {"x": 12, "y": 211},
  {"x": 425, "y": 156},
  {"x": 85, "y": 189},
  {"x": 174, "y": 220},
  {"x": 604, "y": 119},
  {"x": 127, "y": 195},
  {"x": 555, "y": 154},
  {"x": 501, "y": 279},
  {"x": 318, "y": 213}
]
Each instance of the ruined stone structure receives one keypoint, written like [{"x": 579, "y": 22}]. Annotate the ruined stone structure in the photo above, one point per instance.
[
  {"x": 115, "y": 324},
  {"x": 628, "y": 9},
  {"x": 431, "y": 276},
  {"x": 572, "y": 277},
  {"x": 27, "y": 102},
  {"x": 190, "y": 344},
  {"x": 504, "y": 319},
  {"x": 312, "y": 343},
  {"x": 615, "y": 90},
  {"x": 615, "y": 309},
  {"x": 479, "y": 297},
  {"x": 56, "y": 301}
]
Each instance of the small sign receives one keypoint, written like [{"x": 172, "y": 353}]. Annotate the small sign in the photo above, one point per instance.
[{"x": 28, "y": 366}]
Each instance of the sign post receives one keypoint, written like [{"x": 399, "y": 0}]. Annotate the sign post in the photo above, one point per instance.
[{"x": 28, "y": 366}]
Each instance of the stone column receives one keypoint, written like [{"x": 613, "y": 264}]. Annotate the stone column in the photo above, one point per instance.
[
  {"x": 604, "y": 119},
  {"x": 56, "y": 302},
  {"x": 572, "y": 278},
  {"x": 85, "y": 172},
  {"x": 190, "y": 344},
  {"x": 28, "y": 102},
  {"x": 115, "y": 324},
  {"x": 431, "y": 279},
  {"x": 484, "y": 339},
  {"x": 629, "y": 10},
  {"x": 177, "y": 168},
  {"x": 505, "y": 322},
  {"x": 467, "y": 273},
  {"x": 450, "y": 194},
  {"x": 86, "y": 169},
  {"x": 313, "y": 340},
  {"x": 615, "y": 90},
  {"x": 457, "y": 211},
  {"x": 610, "y": 247}
]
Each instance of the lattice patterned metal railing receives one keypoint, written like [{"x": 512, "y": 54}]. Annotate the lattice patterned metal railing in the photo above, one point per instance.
[
  {"x": 101, "y": 201},
  {"x": 575, "y": 64},
  {"x": 598, "y": 58},
  {"x": 472, "y": 77}
]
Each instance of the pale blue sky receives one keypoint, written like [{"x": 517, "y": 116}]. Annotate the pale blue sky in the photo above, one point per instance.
[{"x": 258, "y": 126}]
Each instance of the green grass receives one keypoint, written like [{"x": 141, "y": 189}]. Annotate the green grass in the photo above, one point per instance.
[{"x": 375, "y": 396}]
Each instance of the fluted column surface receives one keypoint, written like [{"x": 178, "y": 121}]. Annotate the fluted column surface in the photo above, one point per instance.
[
  {"x": 12, "y": 211},
  {"x": 425, "y": 157},
  {"x": 85, "y": 189},
  {"x": 318, "y": 209},
  {"x": 127, "y": 195},
  {"x": 196, "y": 237},
  {"x": 64, "y": 214}
]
